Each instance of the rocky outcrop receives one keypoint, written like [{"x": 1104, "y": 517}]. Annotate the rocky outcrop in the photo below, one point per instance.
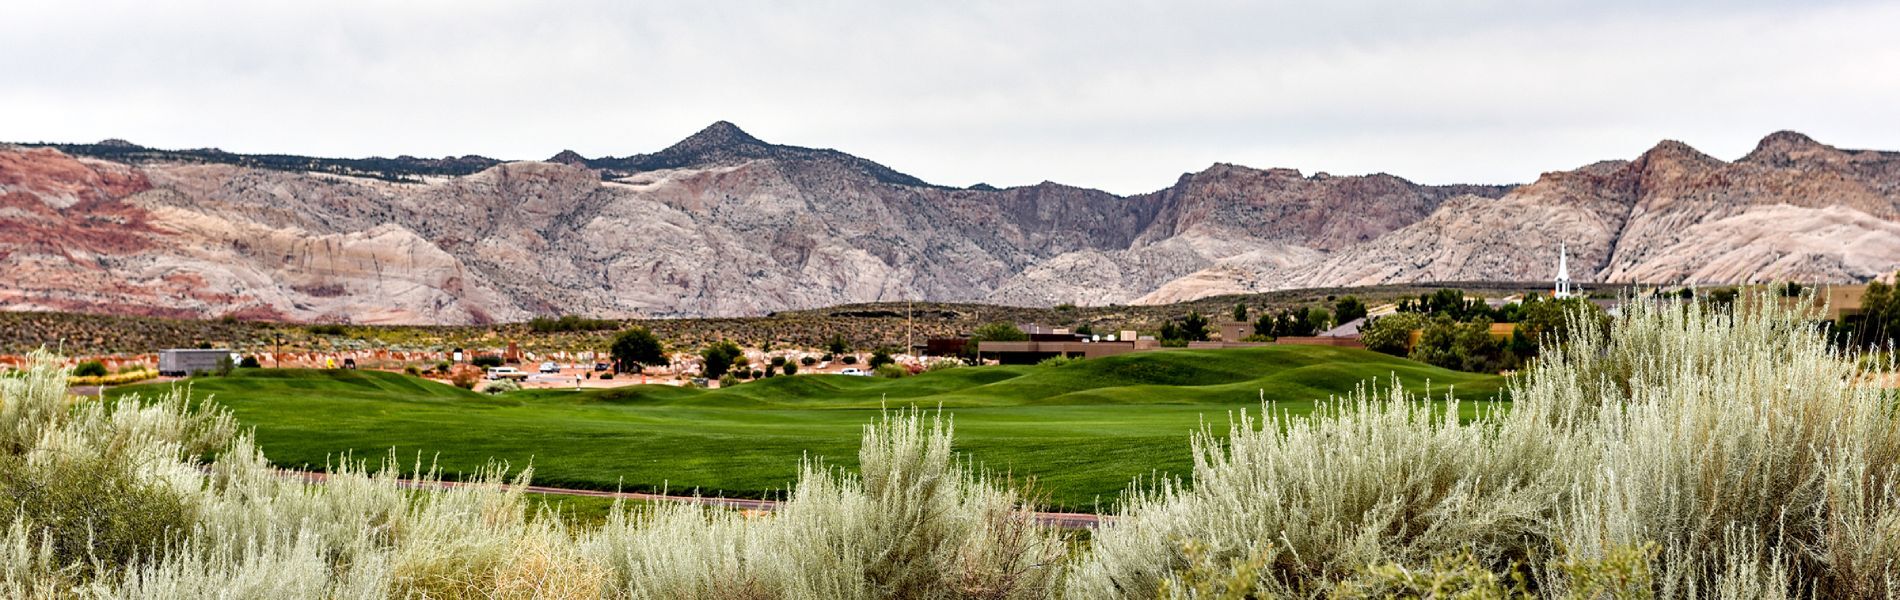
[
  {"x": 1793, "y": 209},
  {"x": 723, "y": 223}
]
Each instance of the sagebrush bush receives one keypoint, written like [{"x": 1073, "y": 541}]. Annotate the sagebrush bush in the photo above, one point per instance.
[
  {"x": 501, "y": 386},
  {"x": 1738, "y": 449}
]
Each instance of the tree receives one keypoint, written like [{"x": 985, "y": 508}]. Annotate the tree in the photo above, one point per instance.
[
  {"x": 1392, "y": 334},
  {"x": 837, "y": 346},
  {"x": 249, "y": 362},
  {"x": 1316, "y": 319},
  {"x": 718, "y": 358},
  {"x": 1548, "y": 322},
  {"x": 791, "y": 368},
  {"x": 1194, "y": 327},
  {"x": 91, "y": 368},
  {"x": 1348, "y": 309},
  {"x": 1463, "y": 346},
  {"x": 1000, "y": 331},
  {"x": 635, "y": 348},
  {"x": 1240, "y": 312},
  {"x": 881, "y": 358}
]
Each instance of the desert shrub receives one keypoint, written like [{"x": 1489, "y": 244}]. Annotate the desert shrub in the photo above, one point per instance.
[
  {"x": 124, "y": 376},
  {"x": 1057, "y": 361},
  {"x": 249, "y": 362},
  {"x": 330, "y": 329},
  {"x": 890, "y": 371},
  {"x": 91, "y": 368},
  {"x": 501, "y": 386},
  {"x": 465, "y": 377},
  {"x": 225, "y": 366},
  {"x": 486, "y": 361},
  {"x": 850, "y": 359},
  {"x": 791, "y": 368},
  {"x": 728, "y": 380},
  {"x": 756, "y": 374},
  {"x": 944, "y": 364},
  {"x": 1677, "y": 453},
  {"x": 912, "y": 523},
  {"x": 570, "y": 323},
  {"x": 411, "y": 370},
  {"x": 807, "y": 361}
]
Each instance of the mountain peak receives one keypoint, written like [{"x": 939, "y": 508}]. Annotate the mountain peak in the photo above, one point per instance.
[
  {"x": 1784, "y": 146},
  {"x": 569, "y": 157},
  {"x": 721, "y": 134},
  {"x": 1672, "y": 151}
]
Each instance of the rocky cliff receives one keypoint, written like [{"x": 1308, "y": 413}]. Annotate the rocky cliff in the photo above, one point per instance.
[{"x": 725, "y": 224}]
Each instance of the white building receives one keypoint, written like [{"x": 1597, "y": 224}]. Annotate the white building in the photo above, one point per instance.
[{"x": 1563, "y": 288}]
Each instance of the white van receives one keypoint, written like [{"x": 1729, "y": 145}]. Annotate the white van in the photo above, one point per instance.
[{"x": 506, "y": 373}]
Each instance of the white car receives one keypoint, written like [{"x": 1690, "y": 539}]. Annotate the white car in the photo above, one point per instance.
[
  {"x": 506, "y": 373},
  {"x": 853, "y": 371},
  {"x": 550, "y": 367}
]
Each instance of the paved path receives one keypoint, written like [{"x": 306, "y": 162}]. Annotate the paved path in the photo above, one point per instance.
[{"x": 1065, "y": 520}]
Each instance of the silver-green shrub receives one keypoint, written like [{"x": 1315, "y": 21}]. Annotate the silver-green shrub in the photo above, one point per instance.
[{"x": 1752, "y": 458}]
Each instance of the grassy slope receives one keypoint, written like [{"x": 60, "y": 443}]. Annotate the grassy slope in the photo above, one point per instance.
[{"x": 1083, "y": 430}]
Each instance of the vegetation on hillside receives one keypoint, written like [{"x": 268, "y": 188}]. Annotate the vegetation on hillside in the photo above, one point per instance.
[{"x": 1680, "y": 452}]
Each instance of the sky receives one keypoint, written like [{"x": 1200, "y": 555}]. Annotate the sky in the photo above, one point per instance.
[{"x": 1120, "y": 96}]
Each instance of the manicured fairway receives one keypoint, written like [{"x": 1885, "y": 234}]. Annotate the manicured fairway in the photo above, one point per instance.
[{"x": 1082, "y": 431}]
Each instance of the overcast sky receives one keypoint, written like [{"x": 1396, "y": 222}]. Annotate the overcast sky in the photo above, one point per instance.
[{"x": 1122, "y": 96}]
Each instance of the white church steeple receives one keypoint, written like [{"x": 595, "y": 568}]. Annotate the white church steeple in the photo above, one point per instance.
[{"x": 1563, "y": 289}]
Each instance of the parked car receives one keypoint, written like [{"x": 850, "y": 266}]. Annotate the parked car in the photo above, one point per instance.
[
  {"x": 602, "y": 366},
  {"x": 853, "y": 371},
  {"x": 550, "y": 367},
  {"x": 506, "y": 373}
]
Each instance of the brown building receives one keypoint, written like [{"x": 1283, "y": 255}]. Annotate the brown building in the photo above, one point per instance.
[{"x": 1036, "y": 350}]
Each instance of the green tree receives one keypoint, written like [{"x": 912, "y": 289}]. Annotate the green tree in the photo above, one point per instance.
[
  {"x": 1349, "y": 308},
  {"x": 881, "y": 358},
  {"x": 1240, "y": 312},
  {"x": 1194, "y": 327},
  {"x": 1000, "y": 331},
  {"x": 719, "y": 357},
  {"x": 637, "y": 347},
  {"x": 837, "y": 346},
  {"x": 1392, "y": 334},
  {"x": 791, "y": 368},
  {"x": 1318, "y": 319}
]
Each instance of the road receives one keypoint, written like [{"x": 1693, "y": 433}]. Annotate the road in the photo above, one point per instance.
[{"x": 1064, "y": 520}]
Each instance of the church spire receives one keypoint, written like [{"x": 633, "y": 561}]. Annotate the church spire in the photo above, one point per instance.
[{"x": 1563, "y": 272}]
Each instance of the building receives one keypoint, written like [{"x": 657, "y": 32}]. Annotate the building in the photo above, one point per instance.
[
  {"x": 180, "y": 362},
  {"x": 1234, "y": 331},
  {"x": 1562, "y": 288},
  {"x": 1034, "y": 351}
]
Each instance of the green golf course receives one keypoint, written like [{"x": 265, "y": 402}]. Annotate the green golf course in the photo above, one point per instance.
[{"x": 1081, "y": 431}]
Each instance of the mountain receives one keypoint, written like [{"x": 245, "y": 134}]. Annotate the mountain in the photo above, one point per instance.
[
  {"x": 1793, "y": 209},
  {"x": 722, "y": 223}
]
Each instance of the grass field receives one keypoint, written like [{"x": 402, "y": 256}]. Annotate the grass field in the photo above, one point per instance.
[{"x": 1081, "y": 431}]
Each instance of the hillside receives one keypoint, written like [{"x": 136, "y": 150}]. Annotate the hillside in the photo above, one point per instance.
[
  {"x": 725, "y": 224},
  {"x": 1083, "y": 431}
]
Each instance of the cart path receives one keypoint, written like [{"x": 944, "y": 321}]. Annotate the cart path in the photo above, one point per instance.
[{"x": 1066, "y": 520}]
